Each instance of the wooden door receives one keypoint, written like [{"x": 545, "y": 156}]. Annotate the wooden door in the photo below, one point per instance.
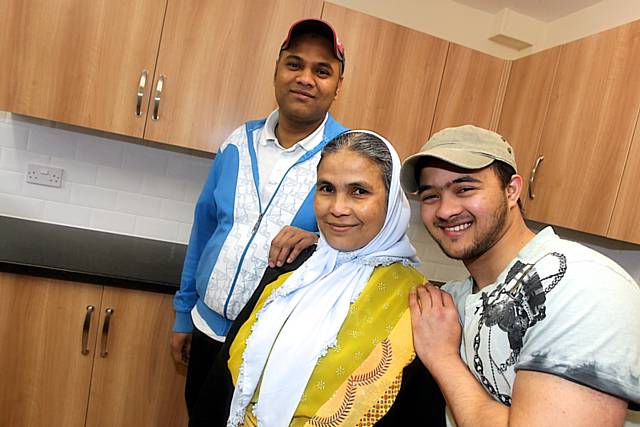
[
  {"x": 79, "y": 61},
  {"x": 45, "y": 377},
  {"x": 218, "y": 59},
  {"x": 625, "y": 222},
  {"x": 472, "y": 89},
  {"x": 391, "y": 79},
  {"x": 594, "y": 104},
  {"x": 525, "y": 107},
  {"x": 136, "y": 383}
]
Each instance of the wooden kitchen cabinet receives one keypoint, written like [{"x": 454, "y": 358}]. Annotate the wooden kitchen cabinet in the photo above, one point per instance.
[
  {"x": 45, "y": 377},
  {"x": 587, "y": 133},
  {"x": 219, "y": 58},
  {"x": 472, "y": 89},
  {"x": 79, "y": 61},
  {"x": 525, "y": 107},
  {"x": 47, "y": 381},
  {"x": 625, "y": 222},
  {"x": 391, "y": 80}
]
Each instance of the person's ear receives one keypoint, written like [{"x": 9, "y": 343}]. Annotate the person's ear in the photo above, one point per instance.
[
  {"x": 514, "y": 189},
  {"x": 338, "y": 87}
]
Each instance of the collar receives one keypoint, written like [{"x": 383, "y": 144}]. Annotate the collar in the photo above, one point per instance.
[{"x": 308, "y": 143}]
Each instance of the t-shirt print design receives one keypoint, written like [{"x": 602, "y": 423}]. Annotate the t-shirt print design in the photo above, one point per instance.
[{"x": 511, "y": 308}]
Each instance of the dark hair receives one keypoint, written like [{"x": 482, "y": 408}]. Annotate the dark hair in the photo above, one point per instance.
[
  {"x": 504, "y": 172},
  {"x": 367, "y": 145}
]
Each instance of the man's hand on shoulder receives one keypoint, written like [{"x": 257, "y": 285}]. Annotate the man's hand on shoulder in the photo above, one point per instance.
[
  {"x": 435, "y": 324},
  {"x": 288, "y": 244}
]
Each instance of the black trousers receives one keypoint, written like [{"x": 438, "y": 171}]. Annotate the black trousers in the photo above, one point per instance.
[{"x": 204, "y": 351}]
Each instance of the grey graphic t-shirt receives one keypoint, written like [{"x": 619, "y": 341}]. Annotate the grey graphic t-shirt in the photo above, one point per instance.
[{"x": 559, "y": 308}]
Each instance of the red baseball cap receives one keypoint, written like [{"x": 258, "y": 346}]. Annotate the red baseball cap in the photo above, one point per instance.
[{"x": 316, "y": 26}]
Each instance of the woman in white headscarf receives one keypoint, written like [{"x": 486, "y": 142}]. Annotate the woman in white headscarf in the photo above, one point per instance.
[{"x": 330, "y": 344}]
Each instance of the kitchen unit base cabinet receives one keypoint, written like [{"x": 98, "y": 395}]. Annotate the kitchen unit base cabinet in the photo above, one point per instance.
[{"x": 75, "y": 354}]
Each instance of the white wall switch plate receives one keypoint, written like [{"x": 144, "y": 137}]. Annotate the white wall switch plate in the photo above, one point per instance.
[{"x": 44, "y": 175}]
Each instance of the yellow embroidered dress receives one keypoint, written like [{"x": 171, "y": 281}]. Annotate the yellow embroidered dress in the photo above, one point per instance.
[{"x": 356, "y": 381}]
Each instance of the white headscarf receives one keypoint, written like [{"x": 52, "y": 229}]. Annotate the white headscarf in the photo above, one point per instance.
[{"x": 300, "y": 320}]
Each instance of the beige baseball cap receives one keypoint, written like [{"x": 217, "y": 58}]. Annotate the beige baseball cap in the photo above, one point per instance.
[{"x": 468, "y": 147}]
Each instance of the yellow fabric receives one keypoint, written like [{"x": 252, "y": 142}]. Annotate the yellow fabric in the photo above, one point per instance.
[
  {"x": 369, "y": 392},
  {"x": 373, "y": 318}
]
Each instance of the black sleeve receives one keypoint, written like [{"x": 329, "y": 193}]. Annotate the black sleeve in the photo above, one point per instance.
[
  {"x": 419, "y": 401},
  {"x": 212, "y": 407}
]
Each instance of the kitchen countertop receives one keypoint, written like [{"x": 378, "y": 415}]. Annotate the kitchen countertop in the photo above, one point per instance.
[{"x": 69, "y": 253}]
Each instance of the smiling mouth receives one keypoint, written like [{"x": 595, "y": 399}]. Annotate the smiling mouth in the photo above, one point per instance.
[
  {"x": 456, "y": 229},
  {"x": 340, "y": 227}
]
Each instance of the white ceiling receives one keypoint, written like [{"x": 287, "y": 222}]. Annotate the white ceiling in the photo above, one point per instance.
[{"x": 542, "y": 10}]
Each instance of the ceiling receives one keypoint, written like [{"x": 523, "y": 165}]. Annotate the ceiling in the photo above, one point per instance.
[{"x": 542, "y": 10}]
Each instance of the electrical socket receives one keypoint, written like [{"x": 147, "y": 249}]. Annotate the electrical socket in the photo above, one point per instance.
[{"x": 44, "y": 175}]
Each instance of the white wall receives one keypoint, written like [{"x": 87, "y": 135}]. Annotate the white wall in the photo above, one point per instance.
[{"x": 107, "y": 184}]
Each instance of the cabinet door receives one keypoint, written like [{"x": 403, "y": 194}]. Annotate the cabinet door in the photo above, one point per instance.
[
  {"x": 79, "y": 61},
  {"x": 587, "y": 133},
  {"x": 136, "y": 383},
  {"x": 472, "y": 89},
  {"x": 218, "y": 59},
  {"x": 391, "y": 79},
  {"x": 45, "y": 376},
  {"x": 525, "y": 106},
  {"x": 625, "y": 223}
]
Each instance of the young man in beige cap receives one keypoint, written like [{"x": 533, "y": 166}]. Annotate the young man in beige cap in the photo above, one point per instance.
[
  {"x": 546, "y": 331},
  {"x": 260, "y": 186}
]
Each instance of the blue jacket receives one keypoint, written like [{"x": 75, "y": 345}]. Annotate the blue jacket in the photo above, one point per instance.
[{"x": 232, "y": 230}]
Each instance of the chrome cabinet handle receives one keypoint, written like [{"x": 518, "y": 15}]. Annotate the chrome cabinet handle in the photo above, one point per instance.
[
  {"x": 141, "y": 84},
  {"x": 105, "y": 332},
  {"x": 85, "y": 329},
  {"x": 156, "y": 98},
  {"x": 533, "y": 177}
]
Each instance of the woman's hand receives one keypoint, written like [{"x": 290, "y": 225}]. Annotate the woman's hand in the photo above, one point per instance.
[{"x": 181, "y": 347}]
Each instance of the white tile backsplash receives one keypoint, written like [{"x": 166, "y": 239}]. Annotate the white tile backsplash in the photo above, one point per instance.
[
  {"x": 54, "y": 142},
  {"x": 11, "y": 182},
  {"x": 14, "y": 136},
  {"x": 76, "y": 171},
  {"x": 64, "y": 213},
  {"x": 92, "y": 196},
  {"x": 154, "y": 228},
  {"x": 113, "y": 221},
  {"x": 17, "y": 160},
  {"x": 23, "y": 207},
  {"x": 101, "y": 151},
  {"x": 108, "y": 184},
  {"x": 138, "y": 204},
  {"x": 119, "y": 179}
]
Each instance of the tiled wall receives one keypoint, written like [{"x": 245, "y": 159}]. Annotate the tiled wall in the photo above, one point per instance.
[
  {"x": 107, "y": 184},
  {"x": 121, "y": 186}
]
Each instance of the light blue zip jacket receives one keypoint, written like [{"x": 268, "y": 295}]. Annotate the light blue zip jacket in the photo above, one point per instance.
[{"x": 232, "y": 230}]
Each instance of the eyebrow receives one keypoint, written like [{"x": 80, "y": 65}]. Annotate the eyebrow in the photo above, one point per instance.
[{"x": 461, "y": 180}]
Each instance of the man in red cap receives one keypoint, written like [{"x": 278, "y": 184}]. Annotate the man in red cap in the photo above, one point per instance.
[{"x": 260, "y": 187}]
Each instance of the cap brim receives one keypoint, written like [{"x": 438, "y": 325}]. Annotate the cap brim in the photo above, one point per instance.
[
  {"x": 461, "y": 159},
  {"x": 316, "y": 26}
]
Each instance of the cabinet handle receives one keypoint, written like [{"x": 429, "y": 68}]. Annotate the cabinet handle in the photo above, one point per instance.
[
  {"x": 105, "y": 332},
  {"x": 85, "y": 329},
  {"x": 141, "y": 84},
  {"x": 156, "y": 98},
  {"x": 533, "y": 177}
]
